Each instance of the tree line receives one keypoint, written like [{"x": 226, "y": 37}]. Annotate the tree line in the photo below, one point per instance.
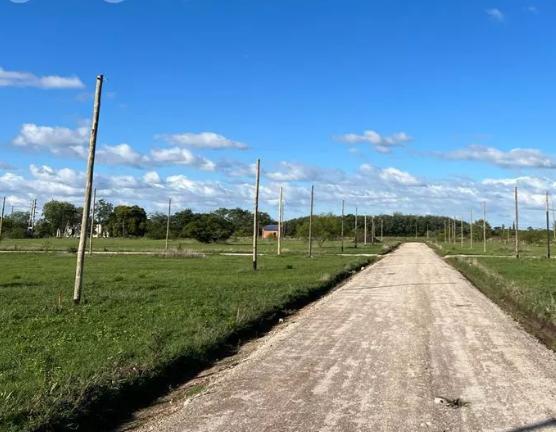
[{"x": 61, "y": 218}]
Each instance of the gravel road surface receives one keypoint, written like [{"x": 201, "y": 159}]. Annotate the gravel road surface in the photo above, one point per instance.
[{"x": 391, "y": 350}]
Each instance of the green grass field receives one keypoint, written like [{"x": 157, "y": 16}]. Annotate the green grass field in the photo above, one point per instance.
[
  {"x": 140, "y": 316},
  {"x": 238, "y": 245},
  {"x": 494, "y": 248},
  {"x": 526, "y": 287}
]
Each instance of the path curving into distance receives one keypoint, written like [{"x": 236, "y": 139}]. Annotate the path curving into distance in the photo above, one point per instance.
[{"x": 373, "y": 356}]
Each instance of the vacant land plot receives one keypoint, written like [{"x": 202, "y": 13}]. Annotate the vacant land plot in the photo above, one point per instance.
[
  {"x": 494, "y": 248},
  {"x": 525, "y": 286},
  {"x": 141, "y": 315},
  {"x": 238, "y": 245}
]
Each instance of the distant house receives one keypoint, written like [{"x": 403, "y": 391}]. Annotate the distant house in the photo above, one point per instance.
[{"x": 270, "y": 231}]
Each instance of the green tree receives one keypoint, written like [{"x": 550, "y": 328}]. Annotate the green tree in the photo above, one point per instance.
[
  {"x": 209, "y": 228},
  {"x": 103, "y": 211},
  {"x": 127, "y": 221},
  {"x": 57, "y": 215}
]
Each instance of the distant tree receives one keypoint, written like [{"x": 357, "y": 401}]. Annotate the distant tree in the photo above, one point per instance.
[
  {"x": 326, "y": 227},
  {"x": 242, "y": 220},
  {"x": 57, "y": 215},
  {"x": 209, "y": 228},
  {"x": 103, "y": 211},
  {"x": 127, "y": 221},
  {"x": 156, "y": 226},
  {"x": 15, "y": 225}
]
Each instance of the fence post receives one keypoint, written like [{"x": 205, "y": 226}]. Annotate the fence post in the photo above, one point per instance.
[
  {"x": 256, "y": 215},
  {"x": 168, "y": 223},
  {"x": 280, "y": 223},
  {"x": 87, "y": 198}
]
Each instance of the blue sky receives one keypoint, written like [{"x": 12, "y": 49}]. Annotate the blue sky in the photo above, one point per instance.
[{"x": 425, "y": 107}]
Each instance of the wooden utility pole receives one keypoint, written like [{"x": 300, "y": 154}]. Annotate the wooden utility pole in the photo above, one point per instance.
[
  {"x": 355, "y": 228},
  {"x": 471, "y": 230},
  {"x": 342, "y": 226},
  {"x": 516, "y": 224},
  {"x": 381, "y": 230},
  {"x": 92, "y": 222},
  {"x": 168, "y": 223},
  {"x": 484, "y": 227},
  {"x": 365, "y": 230},
  {"x": 280, "y": 222},
  {"x": 547, "y": 229},
  {"x": 87, "y": 198},
  {"x": 256, "y": 215},
  {"x": 2, "y": 216},
  {"x": 372, "y": 230},
  {"x": 311, "y": 222}
]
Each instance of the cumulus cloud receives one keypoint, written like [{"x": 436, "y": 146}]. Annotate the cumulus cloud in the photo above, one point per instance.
[
  {"x": 289, "y": 171},
  {"x": 496, "y": 14},
  {"x": 64, "y": 141},
  {"x": 382, "y": 144},
  {"x": 27, "y": 79},
  {"x": 395, "y": 175},
  {"x": 515, "y": 158},
  {"x": 203, "y": 140}
]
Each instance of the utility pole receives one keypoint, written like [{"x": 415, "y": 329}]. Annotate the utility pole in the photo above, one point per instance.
[
  {"x": 87, "y": 198},
  {"x": 484, "y": 228},
  {"x": 342, "y": 226},
  {"x": 92, "y": 222},
  {"x": 256, "y": 215},
  {"x": 365, "y": 230},
  {"x": 516, "y": 224},
  {"x": 381, "y": 230},
  {"x": 547, "y": 229},
  {"x": 168, "y": 223},
  {"x": 355, "y": 229},
  {"x": 311, "y": 223},
  {"x": 372, "y": 230},
  {"x": 471, "y": 229},
  {"x": 280, "y": 222},
  {"x": 2, "y": 216}
]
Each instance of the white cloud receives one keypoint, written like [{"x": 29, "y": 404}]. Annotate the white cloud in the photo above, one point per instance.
[
  {"x": 179, "y": 156},
  {"x": 121, "y": 154},
  {"x": 382, "y": 144},
  {"x": 27, "y": 79},
  {"x": 290, "y": 171},
  {"x": 395, "y": 175},
  {"x": 57, "y": 140},
  {"x": 515, "y": 158},
  {"x": 496, "y": 14},
  {"x": 204, "y": 140}
]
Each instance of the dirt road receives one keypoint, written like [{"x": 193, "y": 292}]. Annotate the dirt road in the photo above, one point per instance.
[{"x": 373, "y": 356}]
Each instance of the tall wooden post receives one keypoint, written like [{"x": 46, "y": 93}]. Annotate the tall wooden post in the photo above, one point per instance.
[
  {"x": 516, "y": 224},
  {"x": 279, "y": 252},
  {"x": 547, "y": 229},
  {"x": 87, "y": 198},
  {"x": 2, "y": 216},
  {"x": 455, "y": 229},
  {"x": 168, "y": 223},
  {"x": 342, "y": 226},
  {"x": 484, "y": 228},
  {"x": 311, "y": 223},
  {"x": 373, "y": 230},
  {"x": 256, "y": 215},
  {"x": 365, "y": 230},
  {"x": 355, "y": 228},
  {"x": 91, "y": 231},
  {"x": 471, "y": 230}
]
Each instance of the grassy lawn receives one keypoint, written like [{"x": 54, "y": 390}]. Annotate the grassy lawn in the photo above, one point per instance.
[
  {"x": 494, "y": 247},
  {"x": 526, "y": 287},
  {"x": 238, "y": 245},
  {"x": 141, "y": 315}
]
